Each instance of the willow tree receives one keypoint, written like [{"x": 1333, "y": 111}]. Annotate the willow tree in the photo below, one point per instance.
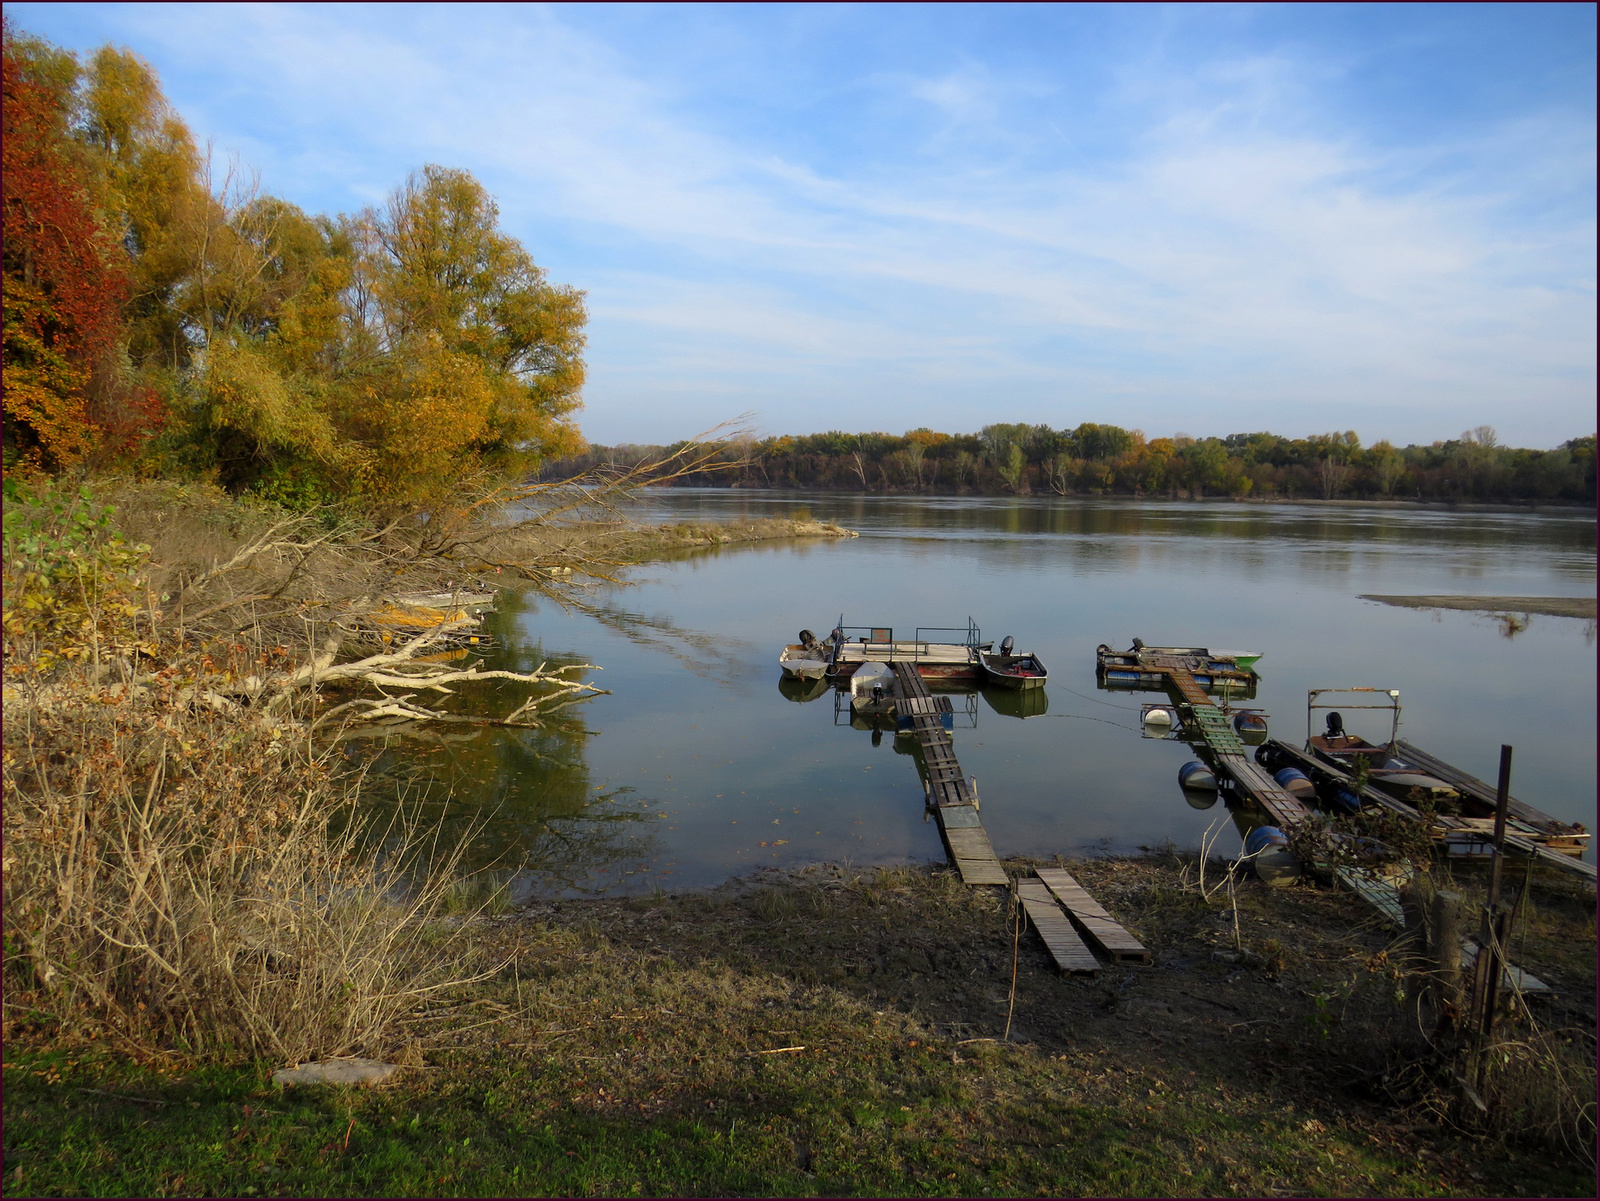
[{"x": 474, "y": 359}]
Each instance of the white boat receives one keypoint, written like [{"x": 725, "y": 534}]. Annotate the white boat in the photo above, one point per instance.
[
  {"x": 806, "y": 659},
  {"x": 799, "y": 663},
  {"x": 872, "y": 688}
]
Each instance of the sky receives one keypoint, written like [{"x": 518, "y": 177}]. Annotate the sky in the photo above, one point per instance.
[{"x": 1196, "y": 219}]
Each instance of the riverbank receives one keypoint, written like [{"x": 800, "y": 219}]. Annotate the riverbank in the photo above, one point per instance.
[
  {"x": 823, "y": 1031},
  {"x": 829, "y": 1031}
]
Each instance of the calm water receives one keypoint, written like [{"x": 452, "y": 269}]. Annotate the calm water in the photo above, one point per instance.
[{"x": 698, "y": 767}]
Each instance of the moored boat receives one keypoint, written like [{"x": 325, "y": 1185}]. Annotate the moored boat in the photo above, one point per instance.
[
  {"x": 1146, "y": 666},
  {"x": 872, "y": 689},
  {"x": 1409, "y": 774},
  {"x": 849, "y": 648},
  {"x": 1010, "y": 670},
  {"x": 806, "y": 659}
]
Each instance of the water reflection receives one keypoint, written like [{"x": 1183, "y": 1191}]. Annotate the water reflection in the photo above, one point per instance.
[
  {"x": 519, "y": 804},
  {"x": 802, "y": 690},
  {"x": 1019, "y": 703}
]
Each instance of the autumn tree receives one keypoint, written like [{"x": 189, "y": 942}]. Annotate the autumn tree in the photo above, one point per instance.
[
  {"x": 65, "y": 278},
  {"x": 462, "y": 333}
]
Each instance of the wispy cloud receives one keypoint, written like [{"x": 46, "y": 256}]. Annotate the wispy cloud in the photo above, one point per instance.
[{"x": 1193, "y": 237}]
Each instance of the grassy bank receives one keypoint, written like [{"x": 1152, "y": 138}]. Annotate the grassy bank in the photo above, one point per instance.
[{"x": 828, "y": 1032}]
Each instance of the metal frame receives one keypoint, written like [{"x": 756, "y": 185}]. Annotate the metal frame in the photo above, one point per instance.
[
  {"x": 1392, "y": 703},
  {"x": 972, "y": 637}
]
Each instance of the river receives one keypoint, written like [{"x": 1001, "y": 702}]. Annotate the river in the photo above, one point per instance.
[{"x": 697, "y": 767}]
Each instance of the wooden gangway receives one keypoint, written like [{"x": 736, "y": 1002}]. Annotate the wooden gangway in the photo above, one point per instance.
[
  {"x": 1222, "y": 745},
  {"x": 1072, "y": 956},
  {"x": 950, "y": 793}
]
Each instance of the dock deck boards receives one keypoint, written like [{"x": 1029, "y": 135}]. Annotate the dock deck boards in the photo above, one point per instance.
[
  {"x": 1226, "y": 749},
  {"x": 949, "y": 792},
  {"x": 1378, "y": 891},
  {"x": 1099, "y": 926},
  {"x": 1069, "y": 951}
]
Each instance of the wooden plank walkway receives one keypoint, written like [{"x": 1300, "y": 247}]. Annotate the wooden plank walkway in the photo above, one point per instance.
[
  {"x": 949, "y": 792},
  {"x": 1072, "y": 956},
  {"x": 1378, "y": 891},
  {"x": 1103, "y": 930},
  {"x": 1227, "y": 751}
]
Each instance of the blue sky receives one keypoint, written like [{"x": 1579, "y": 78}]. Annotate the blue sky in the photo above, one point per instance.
[{"x": 1190, "y": 218}]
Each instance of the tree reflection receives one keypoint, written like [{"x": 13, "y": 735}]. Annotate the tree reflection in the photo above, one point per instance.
[{"x": 518, "y": 804}]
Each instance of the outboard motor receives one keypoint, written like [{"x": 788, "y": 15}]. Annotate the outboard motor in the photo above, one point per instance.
[
  {"x": 808, "y": 639},
  {"x": 1335, "y": 726},
  {"x": 1006, "y": 644},
  {"x": 1138, "y": 644}
]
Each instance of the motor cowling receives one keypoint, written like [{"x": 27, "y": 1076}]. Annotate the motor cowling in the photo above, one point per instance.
[{"x": 1006, "y": 644}]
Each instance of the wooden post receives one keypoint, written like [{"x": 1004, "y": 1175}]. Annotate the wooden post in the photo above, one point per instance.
[
  {"x": 1414, "y": 947},
  {"x": 1502, "y": 801},
  {"x": 1445, "y": 940}
]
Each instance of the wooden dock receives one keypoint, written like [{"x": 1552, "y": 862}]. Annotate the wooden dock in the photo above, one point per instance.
[
  {"x": 1222, "y": 746},
  {"x": 950, "y": 794},
  {"x": 1069, "y": 951},
  {"x": 1460, "y": 835}
]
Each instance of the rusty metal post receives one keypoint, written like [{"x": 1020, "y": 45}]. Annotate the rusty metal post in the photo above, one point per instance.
[{"x": 1502, "y": 802}]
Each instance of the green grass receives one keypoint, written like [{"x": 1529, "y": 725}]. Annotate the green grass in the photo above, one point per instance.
[
  {"x": 1002, "y": 1123},
  {"x": 636, "y": 1048}
]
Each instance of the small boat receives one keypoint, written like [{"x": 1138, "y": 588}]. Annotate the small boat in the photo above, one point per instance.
[
  {"x": 872, "y": 688},
  {"x": 1144, "y": 666},
  {"x": 1407, "y": 773},
  {"x": 806, "y": 659},
  {"x": 1010, "y": 670},
  {"x": 1240, "y": 660}
]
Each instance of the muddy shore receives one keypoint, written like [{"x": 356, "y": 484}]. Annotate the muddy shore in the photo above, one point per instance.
[{"x": 1552, "y": 606}]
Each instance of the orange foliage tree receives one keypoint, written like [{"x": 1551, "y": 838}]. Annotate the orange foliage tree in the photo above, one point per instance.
[{"x": 65, "y": 282}]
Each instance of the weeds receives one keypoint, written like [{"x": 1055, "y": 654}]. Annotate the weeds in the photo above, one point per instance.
[{"x": 175, "y": 877}]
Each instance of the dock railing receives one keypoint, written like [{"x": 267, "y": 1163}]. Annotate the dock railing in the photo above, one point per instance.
[{"x": 879, "y": 641}]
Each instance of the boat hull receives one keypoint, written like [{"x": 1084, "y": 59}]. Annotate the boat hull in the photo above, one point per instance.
[
  {"x": 803, "y": 669},
  {"x": 1017, "y": 672}
]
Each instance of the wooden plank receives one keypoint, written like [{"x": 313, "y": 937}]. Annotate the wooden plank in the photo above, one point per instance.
[
  {"x": 970, "y": 843},
  {"x": 959, "y": 817},
  {"x": 1060, "y": 939},
  {"x": 978, "y": 871},
  {"x": 1554, "y": 858},
  {"x": 1471, "y": 784},
  {"x": 1100, "y": 926},
  {"x": 1377, "y": 891},
  {"x": 1513, "y": 977}
]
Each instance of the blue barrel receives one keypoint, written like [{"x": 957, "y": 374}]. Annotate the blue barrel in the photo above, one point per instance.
[
  {"x": 1268, "y": 851},
  {"x": 1195, "y": 774},
  {"x": 1249, "y": 723},
  {"x": 1294, "y": 781},
  {"x": 1343, "y": 799},
  {"x": 1262, "y": 837}
]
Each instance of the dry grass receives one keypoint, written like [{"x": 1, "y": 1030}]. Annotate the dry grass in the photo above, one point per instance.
[{"x": 182, "y": 874}]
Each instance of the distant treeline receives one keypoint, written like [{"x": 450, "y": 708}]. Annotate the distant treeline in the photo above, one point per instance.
[{"x": 1104, "y": 459}]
